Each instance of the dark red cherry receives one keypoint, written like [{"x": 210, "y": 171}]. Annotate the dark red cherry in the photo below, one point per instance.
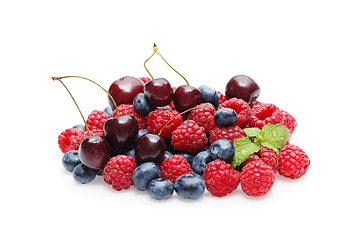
[
  {"x": 121, "y": 131},
  {"x": 149, "y": 148},
  {"x": 243, "y": 87},
  {"x": 159, "y": 92},
  {"x": 95, "y": 152},
  {"x": 124, "y": 90},
  {"x": 186, "y": 97}
]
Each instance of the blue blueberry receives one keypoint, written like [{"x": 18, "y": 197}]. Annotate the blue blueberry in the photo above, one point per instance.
[
  {"x": 140, "y": 133},
  {"x": 200, "y": 162},
  {"x": 142, "y": 105},
  {"x": 225, "y": 117},
  {"x": 189, "y": 158},
  {"x": 222, "y": 149},
  {"x": 79, "y": 126},
  {"x": 209, "y": 94},
  {"x": 144, "y": 173},
  {"x": 70, "y": 160},
  {"x": 160, "y": 188},
  {"x": 190, "y": 186},
  {"x": 131, "y": 153},
  {"x": 109, "y": 111},
  {"x": 83, "y": 174},
  {"x": 166, "y": 155}
]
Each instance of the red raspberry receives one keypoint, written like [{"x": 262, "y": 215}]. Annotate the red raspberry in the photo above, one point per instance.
[
  {"x": 257, "y": 178},
  {"x": 173, "y": 167},
  {"x": 157, "y": 119},
  {"x": 264, "y": 113},
  {"x": 189, "y": 137},
  {"x": 288, "y": 121},
  {"x": 222, "y": 98},
  {"x": 220, "y": 178},
  {"x": 253, "y": 104},
  {"x": 69, "y": 139},
  {"x": 241, "y": 108},
  {"x": 268, "y": 156},
  {"x": 145, "y": 79},
  {"x": 203, "y": 115},
  {"x": 293, "y": 162},
  {"x": 125, "y": 109},
  {"x": 96, "y": 119},
  {"x": 118, "y": 172},
  {"x": 94, "y": 132},
  {"x": 230, "y": 133}
]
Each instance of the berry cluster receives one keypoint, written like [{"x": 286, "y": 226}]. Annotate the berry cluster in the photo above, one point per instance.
[{"x": 162, "y": 139}]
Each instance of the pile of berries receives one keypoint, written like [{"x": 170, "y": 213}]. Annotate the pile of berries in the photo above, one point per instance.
[{"x": 162, "y": 139}]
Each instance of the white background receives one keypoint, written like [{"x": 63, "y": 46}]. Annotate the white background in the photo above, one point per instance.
[{"x": 304, "y": 55}]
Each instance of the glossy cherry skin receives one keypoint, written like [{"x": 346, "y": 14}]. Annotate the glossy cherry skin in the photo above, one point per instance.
[
  {"x": 121, "y": 131},
  {"x": 159, "y": 92},
  {"x": 124, "y": 90},
  {"x": 242, "y": 87},
  {"x": 95, "y": 152},
  {"x": 149, "y": 148},
  {"x": 186, "y": 97}
]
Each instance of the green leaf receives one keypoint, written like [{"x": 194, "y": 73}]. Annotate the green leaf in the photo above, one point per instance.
[
  {"x": 268, "y": 143},
  {"x": 252, "y": 132},
  {"x": 277, "y": 133},
  {"x": 244, "y": 147}
]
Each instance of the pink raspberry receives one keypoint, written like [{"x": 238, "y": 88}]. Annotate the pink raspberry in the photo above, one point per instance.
[
  {"x": 203, "y": 115},
  {"x": 264, "y": 113},
  {"x": 118, "y": 172},
  {"x": 173, "y": 167},
  {"x": 157, "y": 119},
  {"x": 293, "y": 162},
  {"x": 257, "y": 178},
  {"x": 96, "y": 119},
  {"x": 288, "y": 121},
  {"x": 220, "y": 178},
  {"x": 125, "y": 109},
  {"x": 241, "y": 108},
  {"x": 189, "y": 137},
  {"x": 94, "y": 132},
  {"x": 230, "y": 133},
  {"x": 69, "y": 139},
  {"x": 268, "y": 156},
  {"x": 222, "y": 98},
  {"x": 145, "y": 79}
]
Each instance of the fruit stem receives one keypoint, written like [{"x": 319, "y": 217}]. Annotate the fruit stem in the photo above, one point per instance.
[
  {"x": 59, "y": 79},
  {"x": 190, "y": 109},
  {"x": 112, "y": 99},
  {"x": 173, "y": 68},
  {"x": 155, "y": 50}
]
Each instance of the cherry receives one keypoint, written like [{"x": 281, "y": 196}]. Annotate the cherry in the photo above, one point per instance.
[
  {"x": 186, "y": 97},
  {"x": 159, "y": 92},
  {"x": 95, "y": 152},
  {"x": 242, "y": 87},
  {"x": 121, "y": 131},
  {"x": 149, "y": 148},
  {"x": 124, "y": 90}
]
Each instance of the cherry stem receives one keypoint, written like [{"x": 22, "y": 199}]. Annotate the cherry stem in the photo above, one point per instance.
[
  {"x": 156, "y": 51},
  {"x": 190, "y": 109},
  {"x": 59, "y": 79},
  {"x": 112, "y": 99}
]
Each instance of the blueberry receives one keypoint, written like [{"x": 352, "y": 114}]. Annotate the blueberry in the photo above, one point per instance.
[
  {"x": 140, "y": 133},
  {"x": 142, "y": 105},
  {"x": 188, "y": 158},
  {"x": 83, "y": 174},
  {"x": 222, "y": 149},
  {"x": 160, "y": 188},
  {"x": 190, "y": 186},
  {"x": 200, "y": 162},
  {"x": 131, "y": 153},
  {"x": 109, "y": 111},
  {"x": 209, "y": 94},
  {"x": 144, "y": 173},
  {"x": 225, "y": 117},
  {"x": 79, "y": 126},
  {"x": 166, "y": 155},
  {"x": 70, "y": 160}
]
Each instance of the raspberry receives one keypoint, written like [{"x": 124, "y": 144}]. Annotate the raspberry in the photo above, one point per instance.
[
  {"x": 118, "y": 172},
  {"x": 125, "y": 109},
  {"x": 268, "y": 156},
  {"x": 220, "y": 178},
  {"x": 69, "y": 139},
  {"x": 189, "y": 137},
  {"x": 222, "y": 98},
  {"x": 293, "y": 162},
  {"x": 173, "y": 167},
  {"x": 96, "y": 119},
  {"x": 145, "y": 79},
  {"x": 230, "y": 133},
  {"x": 289, "y": 122},
  {"x": 203, "y": 115},
  {"x": 94, "y": 132},
  {"x": 241, "y": 108},
  {"x": 264, "y": 113},
  {"x": 157, "y": 119},
  {"x": 257, "y": 178}
]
